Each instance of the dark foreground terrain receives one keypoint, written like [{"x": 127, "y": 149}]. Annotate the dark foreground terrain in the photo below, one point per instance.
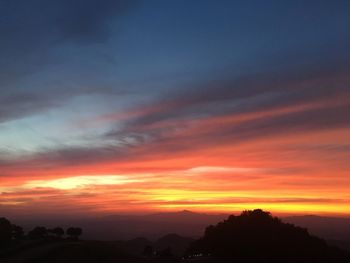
[{"x": 253, "y": 236}]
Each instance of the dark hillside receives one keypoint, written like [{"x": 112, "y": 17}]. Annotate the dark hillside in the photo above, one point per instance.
[{"x": 256, "y": 236}]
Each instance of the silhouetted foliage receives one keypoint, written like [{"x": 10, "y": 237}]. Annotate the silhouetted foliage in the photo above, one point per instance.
[
  {"x": 38, "y": 232},
  {"x": 57, "y": 231},
  {"x": 165, "y": 252},
  {"x": 17, "y": 232},
  {"x": 74, "y": 232},
  {"x": 256, "y": 236},
  {"x": 5, "y": 232},
  {"x": 148, "y": 251}
]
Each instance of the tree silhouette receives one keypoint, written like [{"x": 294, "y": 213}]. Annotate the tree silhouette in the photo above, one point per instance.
[
  {"x": 165, "y": 252},
  {"x": 38, "y": 232},
  {"x": 256, "y": 236},
  {"x": 5, "y": 232},
  {"x": 57, "y": 231},
  {"x": 17, "y": 232},
  {"x": 74, "y": 232},
  {"x": 148, "y": 251}
]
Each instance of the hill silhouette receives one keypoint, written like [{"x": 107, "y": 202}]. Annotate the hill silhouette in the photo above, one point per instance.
[
  {"x": 256, "y": 236},
  {"x": 253, "y": 236},
  {"x": 176, "y": 243}
]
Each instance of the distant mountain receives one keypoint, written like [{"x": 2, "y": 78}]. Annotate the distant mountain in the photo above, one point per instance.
[
  {"x": 184, "y": 216},
  {"x": 343, "y": 244},
  {"x": 152, "y": 226},
  {"x": 333, "y": 228},
  {"x": 176, "y": 243}
]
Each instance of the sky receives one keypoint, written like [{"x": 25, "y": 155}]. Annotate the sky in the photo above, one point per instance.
[{"x": 120, "y": 106}]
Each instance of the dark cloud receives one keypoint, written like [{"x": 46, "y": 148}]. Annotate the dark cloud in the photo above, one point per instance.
[
  {"x": 18, "y": 105},
  {"x": 287, "y": 124},
  {"x": 32, "y": 30},
  {"x": 32, "y": 27},
  {"x": 32, "y": 192},
  {"x": 68, "y": 156},
  {"x": 249, "y": 93},
  {"x": 40, "y": 22}
]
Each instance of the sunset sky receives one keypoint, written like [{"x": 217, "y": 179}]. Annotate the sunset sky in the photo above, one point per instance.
[{"x": 120, "y": 106}]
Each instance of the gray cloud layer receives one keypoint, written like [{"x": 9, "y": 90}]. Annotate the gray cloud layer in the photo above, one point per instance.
[{"x": 37, "y": 35}]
